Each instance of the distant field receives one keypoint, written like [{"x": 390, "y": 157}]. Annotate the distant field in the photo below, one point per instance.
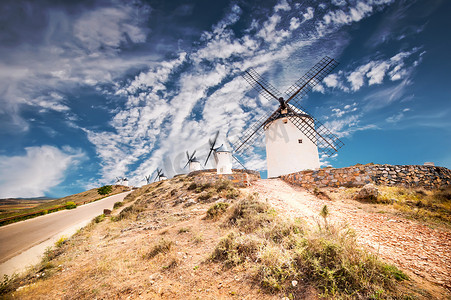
[
  {"x": 10, "y": 208},
  {"x": 14, "y": 205}
]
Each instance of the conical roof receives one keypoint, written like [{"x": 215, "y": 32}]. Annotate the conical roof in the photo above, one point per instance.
[{"x": 223, "y": 148}]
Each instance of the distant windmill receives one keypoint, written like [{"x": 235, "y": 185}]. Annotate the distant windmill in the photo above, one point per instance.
[
  {"x": 160, "y": 175},
  {"x": 222, "y": 155},
  {"x": 292, "y": 136},
  {"x": 125, "y": 181},
  {"x": 118, "y": 181},
  {"x": 194, "y": 164},
  {"x": 147, "y": 178}
]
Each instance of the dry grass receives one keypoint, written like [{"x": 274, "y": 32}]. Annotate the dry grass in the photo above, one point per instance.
[
  {"x": 158, "y": 248},
  {"x": 426, "y": 205}
]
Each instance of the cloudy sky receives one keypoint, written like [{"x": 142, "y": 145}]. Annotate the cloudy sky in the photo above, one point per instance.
[{"x": 92, "y": 90}]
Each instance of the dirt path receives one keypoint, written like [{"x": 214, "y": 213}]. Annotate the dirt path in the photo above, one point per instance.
[{"x": 411, "y": 246}]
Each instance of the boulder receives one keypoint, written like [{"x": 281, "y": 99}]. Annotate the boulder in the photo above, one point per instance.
[
  {"x": 368, "y": 192},
  {"x": 107, "y": 212}
]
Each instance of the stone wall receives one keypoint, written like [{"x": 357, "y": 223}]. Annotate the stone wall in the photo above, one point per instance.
[
  {"x": 239, "y": 178},
  {"x": 428, "y": 177}
]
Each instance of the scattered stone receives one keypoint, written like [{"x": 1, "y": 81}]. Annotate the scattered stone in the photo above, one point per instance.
[
  {"x": 294, "y": 283},
  {"x": 107, "y": 212},
  {"x": 368, "y": 193}
]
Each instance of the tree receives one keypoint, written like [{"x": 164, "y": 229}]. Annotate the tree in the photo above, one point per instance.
[{"x": 105, "y": 190}]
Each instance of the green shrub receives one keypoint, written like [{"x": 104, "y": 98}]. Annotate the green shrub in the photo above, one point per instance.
[
  {"x": 105, "y": 190},
  {"x": 216, "y": 210},
  {"x": 70, "y": 205},
  {"x": 99, "y": 218},
  {"x": 118, "y": 204}
]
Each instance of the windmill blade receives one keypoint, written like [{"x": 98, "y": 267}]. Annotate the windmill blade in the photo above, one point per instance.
[
  {"x": 252, "y": 133},
  {"x": 187, "y": 155},
  {"x": 209, "y": 153},
  {"x": 186, "y": 164},
  {"x": 314, "y": 76},
  {"x": 238, "y": 161},
  {"x": 314, "y": 130},
  {"x": 212, "y": 145},
  {"x": 192, "y": 155},
  {"x": 263, "y": 87}
]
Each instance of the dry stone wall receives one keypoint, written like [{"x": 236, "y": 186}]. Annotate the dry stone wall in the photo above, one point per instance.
[
  {"x": 239, "y": 178},
  {"x": 428, "y": 177}
]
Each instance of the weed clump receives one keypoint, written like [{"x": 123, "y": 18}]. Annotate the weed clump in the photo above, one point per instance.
[
  {"x": 205, "y": 196},
  {"x": 192, "y": 186},
  {"x": 99, "y": 218},
  {"x": 118, "y": 204},
  {"x": 216, "y": 210},
  {"x": 163, "y": 246},
  {"x": 250, "y": 214}
]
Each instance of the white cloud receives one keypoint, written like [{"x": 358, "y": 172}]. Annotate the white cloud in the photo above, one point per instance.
[
  {"x": 36, "y": 172},
  {"x": 282, "y": 5}
]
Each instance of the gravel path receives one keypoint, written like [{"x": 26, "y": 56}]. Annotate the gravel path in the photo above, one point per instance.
[{"x": 408, "y": 244}]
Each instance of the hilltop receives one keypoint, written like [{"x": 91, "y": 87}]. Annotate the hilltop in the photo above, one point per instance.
[{"x": 178, "y": 239}]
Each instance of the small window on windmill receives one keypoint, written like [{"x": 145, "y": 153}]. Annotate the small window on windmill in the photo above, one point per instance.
[{"x": 300, "y": 141}]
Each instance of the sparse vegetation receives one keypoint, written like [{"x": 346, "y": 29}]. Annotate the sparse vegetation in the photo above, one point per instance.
[
  {"x": 216, "y": 210},
  {"x": 280, "y": 251},
  {"x": 99, "y": 218},
  {"x": 163, "y": 246},
  {"x": 154, "y": 248},
  {"x": 118, "y": 204},
  {"x": 71, "y": 205}
]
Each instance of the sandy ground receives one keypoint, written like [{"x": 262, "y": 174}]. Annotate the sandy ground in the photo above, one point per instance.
[
  {"x": 23, "y": 243},
  {"x": 413, "y": 247}
]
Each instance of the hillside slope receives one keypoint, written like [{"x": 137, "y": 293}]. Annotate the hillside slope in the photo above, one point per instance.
[{"x": 178, "y": 240}]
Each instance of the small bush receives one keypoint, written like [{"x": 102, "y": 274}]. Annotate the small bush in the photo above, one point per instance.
[
  {"x": 216, "y": 210},
  {"x": 250, "y": 214},
  {"x": 71, "y": 205},
  {"x": 105, "y": 190},
  {"x": 192, "y": 186},
  {"x": 205, "y": 196},
  {"x": 221, "y": 185},
  {"x": 129, "y": 212},
  {"x": 234, "y": 250},
  {"x": 163, "y": 246},
  {"x": 61, "y": 241},
  {"x": 232, "y": 194},
  {"x": 118, "y": 204},
  {"x": 183, "y": 230},
  {"x": 99, "y": 218}
]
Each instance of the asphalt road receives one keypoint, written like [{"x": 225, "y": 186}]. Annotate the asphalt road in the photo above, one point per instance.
[{"x": 18, "y": 237}]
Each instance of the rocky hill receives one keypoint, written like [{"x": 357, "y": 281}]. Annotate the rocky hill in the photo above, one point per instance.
[{"x": 177, "y": 239}]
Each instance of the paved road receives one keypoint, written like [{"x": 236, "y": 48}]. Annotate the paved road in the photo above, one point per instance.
[{"x": 18, "y": 237}]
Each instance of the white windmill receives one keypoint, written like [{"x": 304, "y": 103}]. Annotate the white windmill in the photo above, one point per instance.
[
  {"x": 292, "y": 136},
  {"x": 147, "y": 178},
  {"x": 222, "y": 155},
  {"x": 160, "y": 176},
  {"x": 194, "y": 164},
  {"x": 118, "y": 181},
  {"x": 125, "y": 181}
]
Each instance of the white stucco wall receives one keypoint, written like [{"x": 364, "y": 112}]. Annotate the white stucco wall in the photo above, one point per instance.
[
  {"x": 284, "y": 153},
  {"x": 194, "y": 166},
  {"x": 223, "y": 162}
]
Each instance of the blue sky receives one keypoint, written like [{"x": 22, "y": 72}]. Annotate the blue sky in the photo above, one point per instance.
[{"x": 93, "y": 90}]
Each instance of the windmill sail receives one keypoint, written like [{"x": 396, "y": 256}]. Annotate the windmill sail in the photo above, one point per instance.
[{"x": 325, "y": 140}]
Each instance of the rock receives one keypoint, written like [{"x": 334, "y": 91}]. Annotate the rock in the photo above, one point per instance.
[
  {"x": 190, "y": 202},
  {"x": 294, "y": 283},
  {"x": 107, "y": 212},
  {"x": 368, "y": 192}
]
